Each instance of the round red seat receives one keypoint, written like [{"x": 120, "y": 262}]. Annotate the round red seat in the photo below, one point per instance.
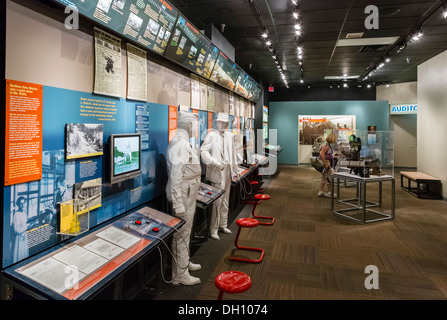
[
  {"x": 247, "y": 222},
  {"x": 262, "y": 197},
  {"x": 254, "y": 182},
  {"x": 232, "y": 282}
]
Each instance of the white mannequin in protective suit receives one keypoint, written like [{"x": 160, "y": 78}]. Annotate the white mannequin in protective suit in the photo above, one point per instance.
[
  {"x": 219, "y": 154},
  {"x": 184, "y": 173}
]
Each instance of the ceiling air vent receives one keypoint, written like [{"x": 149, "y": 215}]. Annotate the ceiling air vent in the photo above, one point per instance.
[{"x": 378, "y": 48}]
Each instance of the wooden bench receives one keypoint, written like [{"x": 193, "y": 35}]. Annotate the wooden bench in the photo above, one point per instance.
[{"x": 421, "y": 180}]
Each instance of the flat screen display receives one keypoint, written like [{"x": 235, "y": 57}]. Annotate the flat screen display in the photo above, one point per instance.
[
  {"x": 225, "y": 72},
  {"x": 191, "y": 49},
  {"x": 148, "y": 22},
  {"x": 125, "y": 156}
]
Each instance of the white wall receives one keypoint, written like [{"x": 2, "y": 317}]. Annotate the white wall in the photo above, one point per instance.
[
  {"x": 432, "y": 116},
  {"x": 404, "y": 126}
]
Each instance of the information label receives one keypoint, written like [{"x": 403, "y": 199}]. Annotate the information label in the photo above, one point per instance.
[{"x": 23, "y": 139}]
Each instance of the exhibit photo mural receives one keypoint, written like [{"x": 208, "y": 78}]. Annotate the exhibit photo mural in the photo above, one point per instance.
[{"x": 74, "y": 156}]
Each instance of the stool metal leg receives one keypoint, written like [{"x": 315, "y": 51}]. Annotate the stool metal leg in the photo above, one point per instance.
[
  {"x": 262, "y": 217},
  {"x": 248, "y": 249}
]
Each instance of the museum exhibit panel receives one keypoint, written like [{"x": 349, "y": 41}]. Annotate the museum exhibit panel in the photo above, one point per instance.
[
  {"x": 87, "y": 177},
  {"x": 176, "y": 150}
]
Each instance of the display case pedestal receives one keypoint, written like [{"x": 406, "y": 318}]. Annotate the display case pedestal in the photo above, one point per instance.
[{"x": 360, "y": 203}]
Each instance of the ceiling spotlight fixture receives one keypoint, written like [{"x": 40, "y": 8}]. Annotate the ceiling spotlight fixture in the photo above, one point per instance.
[
  {"x": 387, "y": 59},
  {"x": 368, "y": 86},
  {"x": 295, "y": 2},
  {"x": 345, "y": 85},
  {"x": 401, "y": 47},
  {"x": 297, "y": 26},
  {"x": 295, "y": 15},
  {"x": 268, "y": 42},
  {"x": 416, "y": 36},
  {"x": 444, "y": 13},
  {"x": 265, "y": 34}
]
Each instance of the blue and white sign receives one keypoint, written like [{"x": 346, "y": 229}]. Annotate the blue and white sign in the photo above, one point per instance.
[{"x": 397, "y": 109}]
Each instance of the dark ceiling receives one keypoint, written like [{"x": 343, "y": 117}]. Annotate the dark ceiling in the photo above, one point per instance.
[{"x": 323, "y": 23}]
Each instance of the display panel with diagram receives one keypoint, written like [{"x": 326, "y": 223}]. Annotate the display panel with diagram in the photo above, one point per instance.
[
  {"x": 191, "y": 49},
  {"x": 364, "y": 153},
  {"x": 149, "y": 23},
  {"x": 225, "y": 72}
]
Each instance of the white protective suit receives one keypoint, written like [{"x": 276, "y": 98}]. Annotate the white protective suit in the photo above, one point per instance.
[
  {"x": 184, "y": 172},
  {"x": 219, "y": 154}
]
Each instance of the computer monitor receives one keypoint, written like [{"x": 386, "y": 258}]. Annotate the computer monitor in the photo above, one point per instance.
[{"x": 124, "y": 156}]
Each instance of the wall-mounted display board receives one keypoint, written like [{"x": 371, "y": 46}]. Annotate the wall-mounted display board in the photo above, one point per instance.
[
  {"x": 30, "y": 210},
  {"x": 23, "y": 132},
  {"x": 191, "y": 49},
  {"x": 242, "y": 83},
  {"x": 256, "y": 90},
  {"x": 148, "y": 22},
  {"x": 225, "y": 72},
  {"x": 257, "y": 94},
  {"x": 247, "y": 87}
]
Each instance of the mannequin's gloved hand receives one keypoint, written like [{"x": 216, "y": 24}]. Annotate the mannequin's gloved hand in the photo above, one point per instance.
[
  {"x": 179, "y": 212},
  {"x": 220, "y": 166}
]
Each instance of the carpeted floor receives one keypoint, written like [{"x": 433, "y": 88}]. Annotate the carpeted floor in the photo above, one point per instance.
[{"x": 311, "y": 254}]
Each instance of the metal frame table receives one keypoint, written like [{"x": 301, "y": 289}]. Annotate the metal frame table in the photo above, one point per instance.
[{"x": 362, "y": 204}]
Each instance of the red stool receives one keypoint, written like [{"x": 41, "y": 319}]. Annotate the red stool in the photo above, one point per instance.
[
  {"x": 253, "y": 184},
  {"x": 232, "y": 282},
  {"x": 247, "y": 223},
  {"x": 258, "y": 198}
]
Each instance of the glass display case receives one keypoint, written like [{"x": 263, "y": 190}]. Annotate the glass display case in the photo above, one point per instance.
[
  {"x": 364, "y": 153},
  {"x": 73, "y": 217}
]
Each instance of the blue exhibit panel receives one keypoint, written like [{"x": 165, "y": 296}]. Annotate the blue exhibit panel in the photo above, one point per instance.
[{"x": 33, "y": 228}]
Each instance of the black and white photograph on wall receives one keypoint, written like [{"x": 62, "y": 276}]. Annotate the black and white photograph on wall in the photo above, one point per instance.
[
  {"x": 153, "y": 26},
  {"x": 104, "y": 5},
  {"x": 134, "y": 21},
  {"x": 31, "y": 207},
  {"x": 84, "y": 140},
  {"x": 119, "y": 4},
  {"x": 87, "y": 195}
]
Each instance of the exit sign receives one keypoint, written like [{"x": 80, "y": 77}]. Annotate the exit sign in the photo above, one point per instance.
[{"x": 271, "y": 89}]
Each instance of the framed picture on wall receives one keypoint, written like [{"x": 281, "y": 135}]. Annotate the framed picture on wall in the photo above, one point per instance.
[{"x": 83, "y": 140}]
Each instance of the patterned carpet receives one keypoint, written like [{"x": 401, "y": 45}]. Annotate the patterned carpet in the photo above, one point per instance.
[{"x": 312, "y": 254}]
